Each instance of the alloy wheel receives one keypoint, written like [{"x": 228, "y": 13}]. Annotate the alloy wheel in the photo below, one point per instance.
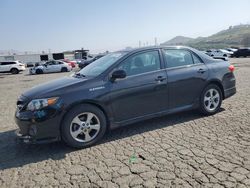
[
  {"x": 211, "y": 99},
  {"x": 85, "y": 127}
]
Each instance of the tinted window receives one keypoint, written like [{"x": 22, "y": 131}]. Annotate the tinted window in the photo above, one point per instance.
[
  {"x": 196, "y": 59},
  {"x": 176, "y": 58},
  {"x": 8, "y": 63},
  {"x": 51, "y": 63},
  {"x": 141, "y": 63}
]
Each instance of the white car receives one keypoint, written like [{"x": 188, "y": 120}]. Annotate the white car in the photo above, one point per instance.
[
  {"x": 217, "y": 53},
  {"x": 229, "y": 53},
  {"x": 13, "y": 67},
  {"x": 51, "y": 66}
]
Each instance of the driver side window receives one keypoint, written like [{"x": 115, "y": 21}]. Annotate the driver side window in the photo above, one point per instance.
[{"x": 141, "y": 63}]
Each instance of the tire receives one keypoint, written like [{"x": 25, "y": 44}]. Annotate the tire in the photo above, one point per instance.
[
  {"x": 39, "y": 71},
  {"x": 14, "y": 71},
  {"x": 64, "y": 69},
  {"x": 89, "y": 132},
  {"x": 225, "y": 55},
  {"x": 208, "y": 105}
]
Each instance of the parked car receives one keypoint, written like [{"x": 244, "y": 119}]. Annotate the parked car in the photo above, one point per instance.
[
  {"x": 50, "y": 66},
  {"x": 71, "y": 63},
  {"x": 229, "y": 53},
  {"x": 243, "y": 52},
  {"x": 217, "y": 53},
  {"x": 13, "y": 67},
  {"x": 84, "y": 63},
  {"x": 121, "y": 88},
  {"x": 232, "y": 49}
]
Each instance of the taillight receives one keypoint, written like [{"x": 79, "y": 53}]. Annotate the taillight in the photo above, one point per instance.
[{"x": 231, "y": 68}]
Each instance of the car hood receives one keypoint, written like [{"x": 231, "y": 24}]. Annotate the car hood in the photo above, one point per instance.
[{"x": 46, "y": 89}]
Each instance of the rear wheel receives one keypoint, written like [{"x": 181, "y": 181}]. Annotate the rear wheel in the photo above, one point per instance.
[
  {"x": 64, "y": 69},
  {"x": 210, "y": 100},
  {"x": 83, "y": 126},
  {"x": 14, "y": 71}
]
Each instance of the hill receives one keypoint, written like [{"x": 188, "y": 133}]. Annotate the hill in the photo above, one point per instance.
[
  {"x": 178, "y": 40},
  {"x": 236, "y": 36}
]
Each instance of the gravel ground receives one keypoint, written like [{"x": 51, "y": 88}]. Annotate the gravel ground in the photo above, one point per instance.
[{"x": 181, "y": 150}]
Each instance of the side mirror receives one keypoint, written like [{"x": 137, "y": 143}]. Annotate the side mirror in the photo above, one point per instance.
[{"x": 118, "y": 74}]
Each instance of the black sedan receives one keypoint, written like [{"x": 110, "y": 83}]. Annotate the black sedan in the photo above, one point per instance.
[
  {"x": 243, "y": 52},
  {"x": 121, "y": 88},
  {"x": 84, "y": 63}
]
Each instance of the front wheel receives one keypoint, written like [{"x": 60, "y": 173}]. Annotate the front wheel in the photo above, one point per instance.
[
  {"x": 210, "y": 100},
  {"x": 39, "y": 71},
  {"x": 83, "y": 126}
]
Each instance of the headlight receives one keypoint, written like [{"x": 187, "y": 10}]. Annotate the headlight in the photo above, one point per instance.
[{"x": 38, "y": 104}]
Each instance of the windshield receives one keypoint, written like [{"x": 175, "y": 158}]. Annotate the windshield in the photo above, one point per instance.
[{"x": 100, "y": 65}]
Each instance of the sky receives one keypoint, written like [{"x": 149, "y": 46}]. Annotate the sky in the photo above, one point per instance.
[{"x": 100, "y": 25}]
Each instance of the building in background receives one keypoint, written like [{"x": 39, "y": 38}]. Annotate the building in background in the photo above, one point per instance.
[{"x": 26, "y": 58}]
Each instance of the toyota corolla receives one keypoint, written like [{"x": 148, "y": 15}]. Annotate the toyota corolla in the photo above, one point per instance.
[{"x": 122, "y": 88}]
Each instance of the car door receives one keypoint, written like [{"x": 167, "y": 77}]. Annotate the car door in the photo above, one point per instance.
[
  {"x": 187, "y": 76},
  {"x": 54, "y": 67},
  {"x": 46, "y": 67},
  {"x": 58, "y": 66},
  {"x": 49, "y": 66},
  {"x": 143, "y": 91},
  {"x": 5, "y": 66}
]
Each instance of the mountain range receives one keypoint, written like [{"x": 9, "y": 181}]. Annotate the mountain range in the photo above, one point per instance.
[{"x": 234, "y": 36}]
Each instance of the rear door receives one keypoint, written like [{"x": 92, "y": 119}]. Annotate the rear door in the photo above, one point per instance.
[
  {"x": 187, "y": 76},
  {"x": 5, "y": 66},
  {"x": 143, "y": 91},
  {"x": 58, "y": 66}
]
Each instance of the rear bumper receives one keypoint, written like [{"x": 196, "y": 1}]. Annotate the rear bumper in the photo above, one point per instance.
[
  {"x": 229, "y": 92},
  {"x": 21, "y": 68}
]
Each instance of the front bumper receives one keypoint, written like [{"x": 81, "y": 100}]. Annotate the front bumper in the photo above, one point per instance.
[{"x": 39, "y": 126}]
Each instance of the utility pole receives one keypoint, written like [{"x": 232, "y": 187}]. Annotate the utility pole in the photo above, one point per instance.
[{"x": 156, "y": 41}]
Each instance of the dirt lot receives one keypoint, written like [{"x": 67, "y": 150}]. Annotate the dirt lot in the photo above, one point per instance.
[{"x": 185, "y": 150}]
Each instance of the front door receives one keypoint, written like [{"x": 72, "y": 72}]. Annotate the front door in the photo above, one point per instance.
[{"x": 143, "y": 91}]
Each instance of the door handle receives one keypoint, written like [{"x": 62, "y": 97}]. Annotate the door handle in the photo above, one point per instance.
[
  {"x": 160, "y": 78},
  {"x": 201, "y": 71}
]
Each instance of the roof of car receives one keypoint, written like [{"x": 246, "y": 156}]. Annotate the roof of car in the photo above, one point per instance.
[
  {"x": 153, "y": 47},
  {"x": 199, "y": 53}
]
